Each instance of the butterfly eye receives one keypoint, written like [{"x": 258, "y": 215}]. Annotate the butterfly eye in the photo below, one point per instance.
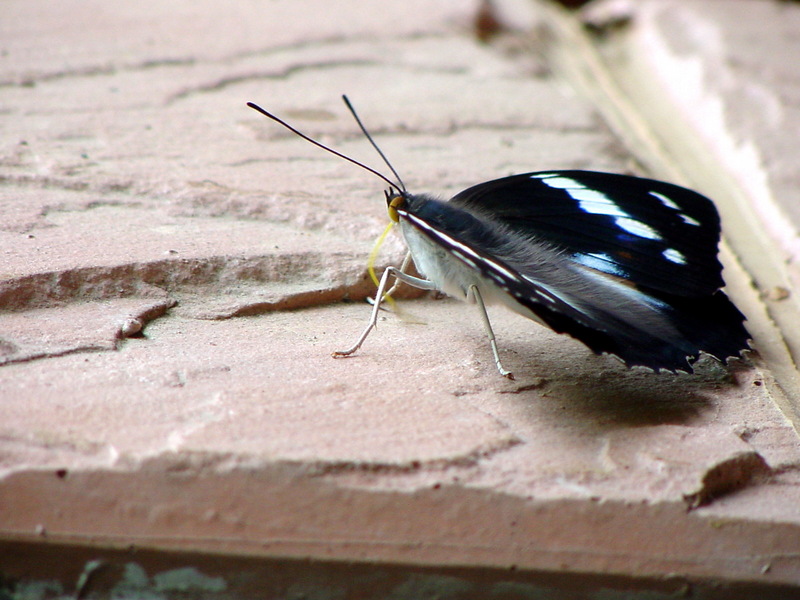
[{"x": 395, "y": 201}]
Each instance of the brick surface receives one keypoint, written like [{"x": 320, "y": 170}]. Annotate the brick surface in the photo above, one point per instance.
[{"x": 141, "y": 192}]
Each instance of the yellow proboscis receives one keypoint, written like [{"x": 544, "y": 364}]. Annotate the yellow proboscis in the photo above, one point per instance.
[{"x": 373, "y": 256}]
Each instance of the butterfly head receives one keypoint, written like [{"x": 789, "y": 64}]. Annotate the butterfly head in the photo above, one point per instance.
[{"x": 395, "y": 199}]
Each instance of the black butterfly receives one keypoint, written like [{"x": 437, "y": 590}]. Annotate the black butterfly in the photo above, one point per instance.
[{"x": 624, "y": 264}]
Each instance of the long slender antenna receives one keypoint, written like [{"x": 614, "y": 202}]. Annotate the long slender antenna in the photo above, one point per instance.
[
  {"x": 331, "y": 150},
  {"x": 371, "y": 141}
]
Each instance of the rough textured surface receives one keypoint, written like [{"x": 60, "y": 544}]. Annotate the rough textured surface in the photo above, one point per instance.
[{"x": 173, "y": 266}]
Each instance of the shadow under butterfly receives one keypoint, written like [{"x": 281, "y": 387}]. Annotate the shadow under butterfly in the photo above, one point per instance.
[{"x": 626, "y": 265}]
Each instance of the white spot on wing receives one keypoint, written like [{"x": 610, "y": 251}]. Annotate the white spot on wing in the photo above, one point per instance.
[
  {"x": 637, "y": 228},
  {"x": 689, "y": 220},
  {"x": 670, "y": 204},
  {"x": 561, "y": 183},
  {"x": 597, "y": 203},
  {"x": 665, "y": 200},
  {"x": 674, "y": 256}
]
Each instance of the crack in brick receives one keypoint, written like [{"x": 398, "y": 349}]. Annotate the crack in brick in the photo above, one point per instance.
[
  {"x": 33, "y": 79},
  {"x": 284, "y": 73},
  {"x": 38, "y": 332},
  {"x": 87, "y": 349},
  {"x": 190, "y": 461},
  {"x": 71, "y": 184},
  {"x": 468, "y": 459},
  {"x": 104, "y": 70}
]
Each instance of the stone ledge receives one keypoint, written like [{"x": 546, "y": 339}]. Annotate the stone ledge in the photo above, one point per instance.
[{"x": 182, "y": 504}]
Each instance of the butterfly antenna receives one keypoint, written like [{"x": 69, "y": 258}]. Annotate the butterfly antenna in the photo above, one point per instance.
[
  {"x": 331, "y": 150},
  {"x": 371, "y": 141}
]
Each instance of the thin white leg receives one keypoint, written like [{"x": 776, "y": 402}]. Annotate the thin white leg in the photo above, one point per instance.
[
  {"x": 416, "y": 282},
  {"x": 474, "y": 292},
  {"x": 393, "y": 289},
  {"x": 403, "y": 267}
]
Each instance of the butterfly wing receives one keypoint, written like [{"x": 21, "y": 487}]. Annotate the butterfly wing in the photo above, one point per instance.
[
  {"x": 651, "y": 233},
  {"x": 626, "y": 265}
]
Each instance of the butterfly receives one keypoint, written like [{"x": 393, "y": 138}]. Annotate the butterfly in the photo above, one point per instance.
[{"x": 624, "y": 264}]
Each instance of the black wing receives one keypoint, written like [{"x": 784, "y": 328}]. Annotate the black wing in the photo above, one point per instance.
[
  {"x": 653, "y": 298},
  {"x": 656, "y": 235}
]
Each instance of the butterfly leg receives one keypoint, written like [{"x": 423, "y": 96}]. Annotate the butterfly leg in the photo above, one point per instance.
[
  {"x": 475, "y": 293},
  {"x": 398, "y": 281},
  {"x": 398, "y": 274}
]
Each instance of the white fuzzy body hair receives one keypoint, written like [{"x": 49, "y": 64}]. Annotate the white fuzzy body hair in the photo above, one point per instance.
[{"x": 451, "y": 276}]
